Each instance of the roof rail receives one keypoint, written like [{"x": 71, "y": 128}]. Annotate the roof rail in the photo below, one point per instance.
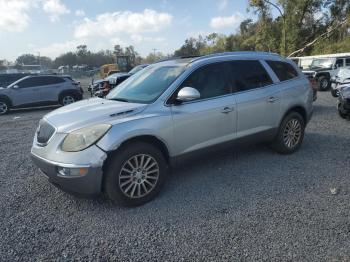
[
  {"x": 175, "y": 58},
  {"x": 235, "y": 53}
]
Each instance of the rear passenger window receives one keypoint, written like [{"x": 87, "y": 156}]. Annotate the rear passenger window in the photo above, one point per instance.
[
  {"x": 283, "y": 70},
  {"x": 51, "y": 80},
  {"x": 246, "y": 75}
]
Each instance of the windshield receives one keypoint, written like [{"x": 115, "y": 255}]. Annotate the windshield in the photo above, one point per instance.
[
  {"x": 324, "y": 62},
  {"x": 146, "y": 85},
  {"x": 136, "y": 69}
]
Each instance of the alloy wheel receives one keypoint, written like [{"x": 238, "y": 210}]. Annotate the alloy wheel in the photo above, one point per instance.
[
  {"x": 138, "y": 176},
  {"x": 324, "y": 84},
  {"x": 68, "y": 100},
  {"x": 3, "y": 108},
  {"x": 292, "y": 133}
]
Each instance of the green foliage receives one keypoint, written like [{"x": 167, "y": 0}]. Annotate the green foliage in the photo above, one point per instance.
[{"x": 302, "y": 20}]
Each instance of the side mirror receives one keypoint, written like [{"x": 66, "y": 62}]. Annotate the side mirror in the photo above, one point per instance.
[
  {"x": 335, "y": 66},
  {"x": 188, "y": 94},
  {"x": 15, "y": 86}
]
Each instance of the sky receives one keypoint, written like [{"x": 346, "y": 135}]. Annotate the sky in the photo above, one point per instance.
[{"x": 53, "y": 27}]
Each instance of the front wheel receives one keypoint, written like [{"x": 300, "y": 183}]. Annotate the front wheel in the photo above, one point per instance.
[
  {"x": 323, "y": 83},
  {"x": 4, "y": 107},
  {"x": 335, "y": 92},
  {"x": 135, "y": 174},
  {"x": 340, "y": 112},
  {"x": 290, "y": 134}
]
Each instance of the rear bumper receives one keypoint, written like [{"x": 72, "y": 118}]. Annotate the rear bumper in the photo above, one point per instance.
[{"x": 87, "y": 185}]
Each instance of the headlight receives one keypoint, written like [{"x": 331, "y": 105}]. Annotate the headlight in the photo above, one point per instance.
[
  {"x": 83, "y": 138},
  {"x": 113, "y": 81}
]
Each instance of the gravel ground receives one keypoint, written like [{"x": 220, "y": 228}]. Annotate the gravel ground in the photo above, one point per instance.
[{"x": 251, "y": 204}]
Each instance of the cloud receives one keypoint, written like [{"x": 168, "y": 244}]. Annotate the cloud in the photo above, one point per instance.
[
  {"x": 222, "y": 5},
  {"x": 226, "y": 21},
  {"x": 109, "y": 24},
  {"x": 56, "y": 49},
  {"x": 55, "y": 9},
  {"x": 79, "y": 12},
  {"x": 139, "y": 39},
  {"x": 14, "y": 15}
]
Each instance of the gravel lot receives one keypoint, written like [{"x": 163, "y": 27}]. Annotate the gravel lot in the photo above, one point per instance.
[{"x": 251, "y": 204}]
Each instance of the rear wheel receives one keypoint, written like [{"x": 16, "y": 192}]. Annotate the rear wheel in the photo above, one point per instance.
[
  {"x": 135, "y": 174},
  {"x": 4, "y": 107},
  {"x": 290, "y": 134},
  {"x": 67, "y": 99}
]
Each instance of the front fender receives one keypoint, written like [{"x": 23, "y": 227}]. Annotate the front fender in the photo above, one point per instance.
[{"x": 159, "y": 126}]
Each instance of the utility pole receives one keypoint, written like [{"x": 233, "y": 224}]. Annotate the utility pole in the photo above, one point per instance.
[
  {"x": 39, "y": 59},
  {"x": 284, "y": 25},
  {"x": 154, "y": 51}
]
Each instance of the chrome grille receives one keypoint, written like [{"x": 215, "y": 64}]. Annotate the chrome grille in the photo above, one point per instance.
[{"x": 44, "y": 133}]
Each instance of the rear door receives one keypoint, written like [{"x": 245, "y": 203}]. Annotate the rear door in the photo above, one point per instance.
[
  {"x": 257, "y": 97},
  {"x": 209, "y": 120},
  {"x": 51, "y": 87}
]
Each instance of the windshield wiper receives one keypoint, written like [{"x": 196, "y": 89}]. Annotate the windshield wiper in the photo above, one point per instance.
[{"x": 120, "y": 99}]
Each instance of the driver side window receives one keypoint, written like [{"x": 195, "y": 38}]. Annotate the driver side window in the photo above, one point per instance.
[
  {"x": 29, "y": 82},
  {"x": 209, "y": 80}
]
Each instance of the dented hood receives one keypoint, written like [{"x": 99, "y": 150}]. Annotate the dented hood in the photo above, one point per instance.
[{"x": 90, "y": 112}]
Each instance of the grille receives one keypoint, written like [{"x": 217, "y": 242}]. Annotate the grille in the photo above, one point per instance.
[{"x": 45, "y": 132}]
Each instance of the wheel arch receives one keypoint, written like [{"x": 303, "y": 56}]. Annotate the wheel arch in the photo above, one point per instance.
[
  {"x": 299, "y": 109},
  {"x": 7, "y": 99},
  {"x": 150, "y": 139},
  {"x": 67, "y": 92},
  {"x": 325, "y": 74}
]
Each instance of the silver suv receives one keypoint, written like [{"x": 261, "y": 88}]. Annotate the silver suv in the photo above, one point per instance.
[
  {"x": 124, "y": 144},
  {"x": 39, "y": 90}
]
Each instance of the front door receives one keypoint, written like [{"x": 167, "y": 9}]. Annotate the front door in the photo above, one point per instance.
[
  {"x": 209, "y": 120},
  {"x": 26, "y": 92}
]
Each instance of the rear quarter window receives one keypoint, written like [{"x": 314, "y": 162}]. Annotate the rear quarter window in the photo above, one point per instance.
[{"x": 283, "y": 70}]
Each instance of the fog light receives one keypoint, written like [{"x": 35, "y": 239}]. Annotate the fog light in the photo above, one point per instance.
[{"x": 72, "y": 172}]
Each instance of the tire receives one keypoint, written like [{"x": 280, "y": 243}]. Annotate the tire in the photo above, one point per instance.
[
  {"x": 335, "y": 92},
  {"x": 296, "y": 124},
  {"x": 67, "y": 99},
  {"x": 340, "y": 113},
  {"x": 324, "y": 83},
  {"x": 127, "y": 186},
  {"x": 4, "y": 106}
]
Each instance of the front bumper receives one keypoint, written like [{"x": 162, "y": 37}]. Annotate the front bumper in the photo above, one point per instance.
[{"x": 87, "y": 185}]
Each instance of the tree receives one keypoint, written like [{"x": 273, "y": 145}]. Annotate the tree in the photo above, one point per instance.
[{"x": 27, "y": 59}]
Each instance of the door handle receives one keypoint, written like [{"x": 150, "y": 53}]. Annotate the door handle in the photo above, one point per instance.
[
  {"x": 227, "y": 109},
  {"x": 272, "y": 99}
]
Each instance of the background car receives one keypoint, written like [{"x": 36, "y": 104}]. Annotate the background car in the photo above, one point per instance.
[
  {"x": 115, "y": 79},
  {"x": 341, "y": 79},
  {"x": 40, "y": 90},
  {"x": 344, "y": 102},
  {"x": 7, "y": 79}
]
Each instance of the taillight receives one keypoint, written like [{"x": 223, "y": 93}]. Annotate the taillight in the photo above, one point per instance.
[{"x": 313, "y": 83}]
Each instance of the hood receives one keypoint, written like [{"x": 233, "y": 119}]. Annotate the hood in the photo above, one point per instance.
[
  {"x": 91, "y": 111},
  {"x": 116, "y": 75},
  {"x": 316, "y": 69},
  {"x": 98, "y": 81}
]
